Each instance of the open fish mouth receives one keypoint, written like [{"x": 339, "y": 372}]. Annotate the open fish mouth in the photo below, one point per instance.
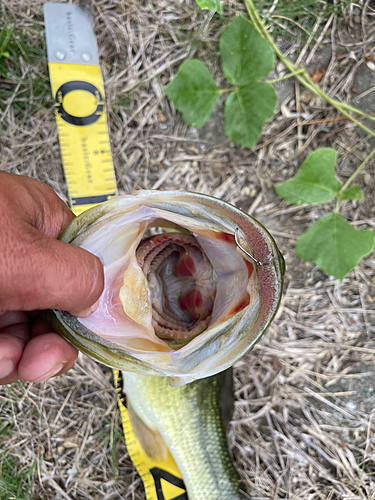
[
  {"x": 181, "y": 283},
  {"x": 191, "y": 283}
]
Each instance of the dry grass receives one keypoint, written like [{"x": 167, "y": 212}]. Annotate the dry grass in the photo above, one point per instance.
[{"x": 304, "y": 421}]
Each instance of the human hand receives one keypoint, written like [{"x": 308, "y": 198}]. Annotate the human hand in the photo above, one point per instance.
[{"x": 39, "y": 272}]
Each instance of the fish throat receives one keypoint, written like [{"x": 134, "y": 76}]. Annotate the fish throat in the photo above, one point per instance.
[{"x": 182, "y": 285}]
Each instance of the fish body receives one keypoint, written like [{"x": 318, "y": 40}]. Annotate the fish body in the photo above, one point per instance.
[
  {"x": 191, "y": 283},
  {"x": 189, "y": 420}
]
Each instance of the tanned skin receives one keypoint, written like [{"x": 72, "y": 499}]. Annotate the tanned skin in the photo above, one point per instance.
[{"x": 39, "y": 272}]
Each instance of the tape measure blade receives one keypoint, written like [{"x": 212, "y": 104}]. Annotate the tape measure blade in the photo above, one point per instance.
[
  {"x": 78, "y": 90},
  {"x": 87, "y": 160},
  {"x": 161, "y": 478},
  {"x": 70, "y": 34}
]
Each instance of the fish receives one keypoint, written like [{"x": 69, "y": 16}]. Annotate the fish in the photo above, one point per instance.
[
  {"x": 191, "y": 284},
  {"x": 191, "y": 422}
]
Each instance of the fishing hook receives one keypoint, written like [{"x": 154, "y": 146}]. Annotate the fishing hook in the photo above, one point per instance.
[{"x": 243, "y": 250}]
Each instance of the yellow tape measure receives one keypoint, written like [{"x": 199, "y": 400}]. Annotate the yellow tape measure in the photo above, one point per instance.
[
  {"x": 162, "y": 479},
  {"x": 78, "y": 90}
]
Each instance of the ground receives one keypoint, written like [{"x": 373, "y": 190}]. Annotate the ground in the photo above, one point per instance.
[{"x": 303, "y": 426}]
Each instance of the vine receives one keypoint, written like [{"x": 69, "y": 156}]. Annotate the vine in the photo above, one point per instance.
[{"x": 247, "y": 56}]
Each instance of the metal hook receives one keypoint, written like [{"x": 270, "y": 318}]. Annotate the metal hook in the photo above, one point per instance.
[{"x": 243, "y": 250}]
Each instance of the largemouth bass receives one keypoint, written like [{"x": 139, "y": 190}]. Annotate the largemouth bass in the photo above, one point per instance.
[{"x": 191, "y": 283}]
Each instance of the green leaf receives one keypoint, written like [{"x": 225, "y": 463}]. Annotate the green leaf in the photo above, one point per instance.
[
  {"x": 245, "y": 55},
  {"x": 315, "y": 182},
  {"x": 5, "y": 36},
  {"x": 193, "y": 92},
  {"x": 246, "y": 59},
  {"x": 246, "y": 110},
  {"x": 211, "y": 5},
  {"x": 3, "y": 69},
  {"x": 334, "y": 245},
  {"x": 353, "y": 193}
]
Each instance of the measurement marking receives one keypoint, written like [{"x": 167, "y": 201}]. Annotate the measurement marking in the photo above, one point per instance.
[
  {"x": 90, "y": 177},
  {"x": 86, "y": 200}
]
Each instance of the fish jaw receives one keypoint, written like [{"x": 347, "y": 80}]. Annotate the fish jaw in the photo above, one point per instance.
[
  {"x": 213, "y": 223},
  {"x": 189, "y": 421}
]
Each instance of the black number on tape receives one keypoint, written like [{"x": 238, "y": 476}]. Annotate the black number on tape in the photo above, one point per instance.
[
  {"x": 159, "y": 474},
  {"x": 68, "y": 87}
]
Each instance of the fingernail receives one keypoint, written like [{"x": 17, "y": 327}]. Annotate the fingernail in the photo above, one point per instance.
[
  {"x": 6, "y": 367},
  {"x": 54, "y": 371},
  {"x": 90, "y": 310}
]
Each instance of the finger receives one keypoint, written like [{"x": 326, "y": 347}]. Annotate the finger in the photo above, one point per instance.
[
  {"x": 35, "y": 203},
  {"x": 14, "y": 333},
  {"x": 40, "y": 326},
  {"x": 46, "y": 356},
  {"x": 55, "y": 275},
  {"x": 39, "y": 272}
]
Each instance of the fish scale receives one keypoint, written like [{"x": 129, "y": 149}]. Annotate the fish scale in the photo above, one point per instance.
[{"x": 190, "y": 422}]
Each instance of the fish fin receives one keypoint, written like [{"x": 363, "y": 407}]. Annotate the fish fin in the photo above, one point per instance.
[{"x": 150, "y": 440}]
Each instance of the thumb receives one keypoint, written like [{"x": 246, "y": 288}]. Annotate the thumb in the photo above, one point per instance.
[{"x": 51, "y": 274}]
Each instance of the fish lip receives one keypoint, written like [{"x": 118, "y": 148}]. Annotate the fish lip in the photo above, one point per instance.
[{"x": 272, "y": 260}]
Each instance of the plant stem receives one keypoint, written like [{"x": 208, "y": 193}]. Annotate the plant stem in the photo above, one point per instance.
[
  {"x": 337, "y": 209},
  {"x": 356, "y": 172},
  {"x": 222, "y": 91},
  {"x": 289, "y": 75},
  {"x": 352, "y": 177},
  {"x": 302, "y": 76},
  {"x": 358, "y": 111}
]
